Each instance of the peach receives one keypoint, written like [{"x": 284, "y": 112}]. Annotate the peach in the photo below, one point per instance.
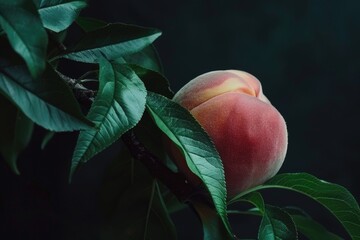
[{"x": 248, "y": 132}]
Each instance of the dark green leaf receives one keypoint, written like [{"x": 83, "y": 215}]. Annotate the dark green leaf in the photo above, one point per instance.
[
  {"x": 276, "y": 224},
  {"x": 201, "y": 156},
  {"x": 295, "y": 211},
  {"x": 308, "y": 226},
  {"x": 173, "y": 204},
  {"x": 213, "y": 226},
  {"x": 90, "y": 24},
  {"x": 134, "y": 208},
  {"x": 59, "y": 16},
  {"x": 252, "y": 211},
  {"x": 48, "y": 136},
  {"x": 16, "y": 130},
  {"x": 337, "y": 199},
  {"x": 21, "y": 22},
  {"x": 47, "y": 101},
  {"x": 112, "y": 41},
  {"x": 118, "y": 107},
  {"x": 150, "y": 135},
  {"x": 312, "y": 229},
  {"x": 154, "y": 81},
  {"x": 147, "y": 58},
  {"x": 56, "y": 45},
  {"x": 303, "y": 222},
  {"x": 255, "y": 199}
]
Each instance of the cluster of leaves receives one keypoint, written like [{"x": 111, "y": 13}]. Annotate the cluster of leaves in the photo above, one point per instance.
[{"x": 132, "y": 94}]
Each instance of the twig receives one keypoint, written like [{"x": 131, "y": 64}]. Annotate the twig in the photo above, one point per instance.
[
  {"x": 175, "y": 181},
  {"x": 82, "y": 94}
]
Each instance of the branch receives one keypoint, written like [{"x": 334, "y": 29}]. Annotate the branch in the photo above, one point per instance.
[
  {"x": 175, "y": 181},
  {"x": 82, "y": 94}
]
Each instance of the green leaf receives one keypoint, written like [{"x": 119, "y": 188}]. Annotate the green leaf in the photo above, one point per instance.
[
  {"x": 112, "y": 41},
  {"x": 48, "y": 136},
  {"x": 292, "y": 210},
  {"x": 308, "y": 226},
  {"x": 255, "y": 199},
  {"x": 173, "y": 204},
  {"x": 147, "y": 58},
  {"x": 132, "y": 202},
  {"x": 57, "y": 17},
  {"x": 16, "y": 131},
  {"x": 21, "y": 22},
  {"x": 277, "y": 224},
  {"x": 213, "y": 226},
  {"x": 90, "y": 24},
  {"x": 47, "y": 101},
  {"x": 154, "y": 81},
  {"x": 150, "y": 135},
  {"x": 201, "y": 156},
  {"x": 56, "y": 44},
  {"x": 337, "y": 199},
  {"x": 118, "y": 107},
  {"x": 312, "y": 229},
  {"x": 303, "y": 222}
]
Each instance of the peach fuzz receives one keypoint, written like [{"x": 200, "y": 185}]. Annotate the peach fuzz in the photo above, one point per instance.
[{"x": 248, "y": 132}]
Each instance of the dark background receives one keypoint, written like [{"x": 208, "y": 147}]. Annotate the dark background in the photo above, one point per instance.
[{"x": 305, "y": 53}]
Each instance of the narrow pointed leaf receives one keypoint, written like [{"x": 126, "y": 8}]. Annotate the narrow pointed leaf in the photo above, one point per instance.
[
  {"x": 147, "y": 58},
  {"x": 132, "y": 202},
  {"x": 16, "y": 131},
  {"x": 21, "y": 22},
  {"x": 201, "y": 156},
  {"x": 48, "y": 136},
  {"x": 47, "y": 101},
  {"x": 312, "y": 229},
  {"x": 306, "y": 225},
  {"x": 90, "y": 24},
  {"x": 337, "y": 199},
  {"x": 277, "y": 224},
  {"x": 112, "y": 41},
  {"x": 154, "y": 81},
  {"x": 118, "y": 107},
  {"x": 303, "y": 222},
  {"x": 59, "y": 16},
  {"x": 255, "y": 199},
  {"x": 213, "y": 226}
]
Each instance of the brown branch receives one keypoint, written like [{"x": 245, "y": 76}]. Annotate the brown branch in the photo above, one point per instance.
[
  {"x": 176, "y": 182},
  {"x": 82, "y": 94}
]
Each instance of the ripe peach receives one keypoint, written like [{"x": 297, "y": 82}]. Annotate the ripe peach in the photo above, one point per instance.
[{"x": 248, "y": 132}]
